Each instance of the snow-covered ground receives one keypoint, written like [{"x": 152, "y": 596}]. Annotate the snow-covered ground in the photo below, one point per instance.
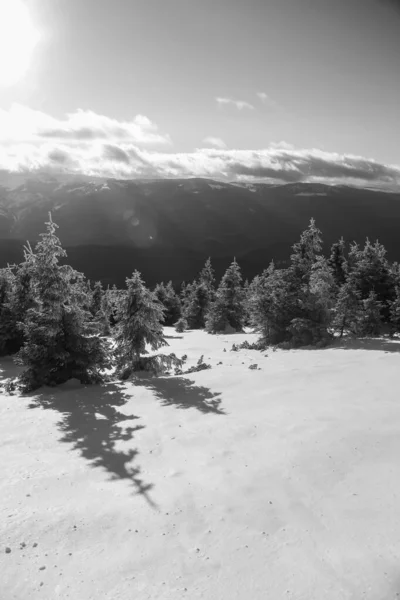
[{"x": 227, "y": 484}]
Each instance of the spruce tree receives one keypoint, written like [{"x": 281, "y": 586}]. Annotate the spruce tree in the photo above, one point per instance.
[
  {"x": 181, "y": 325},
  {"x": 197, "y": 305},
  {"x": 395, "y": 313},
  {"x": 100, "y": 309},
  {"x": 97, "y": 298},
  {"x": 198, "y": 297},
  {"x": 316, "y": 301},
  {"x": 170, "y": 301},
  {"x": 309, "y": 277},
  {"x": 20, "y": 300},
  {"x": 7, "y": 320},
  {"x": 139, "y": 326},
  {"x": 246, "y": 294},
  {"x": 228, "y": 309},
  {"x": 371, "y": 272},
  {"x": 370, "y": 322},
  {"x": 207, "y": 277},
  {"x": 59, "y": 342},
  {"x": 347, "y": 310},
  {"x": 106, "y": 310},
  {"x": 338, "y": 263},
  {"x": 306, "y": 251},
  {"x": 273, "y": 305},
  {"x": 115, "y": 299}
]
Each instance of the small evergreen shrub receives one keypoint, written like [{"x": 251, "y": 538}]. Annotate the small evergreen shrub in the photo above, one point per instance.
[{"x": 181, "y": 325}]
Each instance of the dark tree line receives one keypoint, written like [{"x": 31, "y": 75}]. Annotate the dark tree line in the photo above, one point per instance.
[{"x": 59, "y": 325}]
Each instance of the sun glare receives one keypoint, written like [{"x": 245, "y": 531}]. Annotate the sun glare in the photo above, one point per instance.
[{"x": 18, "y": 39}]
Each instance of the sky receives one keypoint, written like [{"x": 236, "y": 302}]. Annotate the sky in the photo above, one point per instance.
[{"x": 266, "y": 90}]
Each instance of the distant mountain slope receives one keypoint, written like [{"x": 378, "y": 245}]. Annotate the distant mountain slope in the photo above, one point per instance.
[{"x": 166, "y": 228}]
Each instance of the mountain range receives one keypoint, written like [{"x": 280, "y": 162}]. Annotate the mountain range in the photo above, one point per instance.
[{"x": 166, "y": 228}]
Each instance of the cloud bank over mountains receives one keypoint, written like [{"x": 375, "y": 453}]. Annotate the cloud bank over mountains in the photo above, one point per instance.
[{"x": 87, "y": 143}]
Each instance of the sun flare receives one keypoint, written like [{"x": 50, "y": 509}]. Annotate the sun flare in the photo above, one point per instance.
[{"x": 18, "y": 38}]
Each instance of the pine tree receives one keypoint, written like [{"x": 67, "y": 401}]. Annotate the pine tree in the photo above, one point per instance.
[
  {"x": 97, "y": 298},
  {"x": 197, "y": 306},
  {"x": 246, "y": 295},
  {"x": 181, "y": 325},
  {"x": 139, "y": 326},
  {"x": 100, "y": 309},
  {"x": 371, "y": 272},
  {"x": 315, "y": 300},
  {"x": 170, "y": 301},
  {"x": 273, "y": 305},
  {"x": 347, "y": 310},
  {"x": 306, "y": 251},
  {"x": 20, "y": 300},
  {"x": 7, "y": 320},
  {"x": 207, "y": 277},
  {"x": 59, "y": 343},
  {"x": 115, "y": 299},
  {"x": 395, "y": 313},
  {"x": 198, "y": 297},
  {"x": 370, "y": 323},
  {"x": 338, "y": 263},
  {"x": 106, "y": 310},
  {"x": 228, "y": 308},
  {"x": 310, "y": 278}
]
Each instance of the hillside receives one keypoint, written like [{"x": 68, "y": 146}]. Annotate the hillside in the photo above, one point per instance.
[
  {"x": 281, "y": 482},
  {"x": 167, "y": 228}
]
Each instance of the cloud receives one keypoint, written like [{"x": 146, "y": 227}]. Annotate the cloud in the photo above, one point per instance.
[
  {"x": 239, "y": 104},
  {"x": 283, "y": 145},
  {"x": 114, "y": 153},
  {"x": 59, "y": 156},
  {"x": 272, "y": 165},
  {"x": 24, "y": 124},
  {"x": 267, "y": 100},
  {"x": 121, "y": 154},
  {"x": 215, "y": 142}
]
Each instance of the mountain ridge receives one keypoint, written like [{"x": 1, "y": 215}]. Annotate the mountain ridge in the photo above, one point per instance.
[{"x": 157, "y": 225}]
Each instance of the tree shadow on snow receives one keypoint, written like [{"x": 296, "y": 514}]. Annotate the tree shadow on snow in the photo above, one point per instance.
[
  {"x": 182, "y": 393},
  {"x": 93, "y": 424},
  {"x": 173, "y": 337},
  {"x": 377, "y": 344}
]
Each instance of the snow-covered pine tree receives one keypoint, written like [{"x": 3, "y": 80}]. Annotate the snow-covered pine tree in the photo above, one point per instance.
[
  {"x": 395, "y": 313},
  {"x": 306, "y": 252},
  {"x": 181, "y": 325},
  {"x": 139, "y": 327},
  {"x": 316, "y": 301},
  {"x": 96, "y": 299},
  {"x": 171, "y": 302},
  {"x": 207, "y": 276},
  {"x": 370, "y": 323},
  {"x": 98, "y": 304},
  {"x": 59, "y": 343},
  {"x": 228, "y": 309},
  {"x": 371, "y": 272},
  {"x": 20, "y": 300},
  {"x": 246, "y": 294},
  {"x": 7, "y": 319},
  {"x": 273, "y": 305},
  {"x": 309, "y": 277},
  {"x": 347, "y": 310},
  {"x": 199, "y": 297},
  {"x": 337, "y": 262},
  {"x": 197, "y": 305},
  {"x": 106, "y": 310},
  {"x": 184, "y": 294},
  {"x": 115, "y": 298}
]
